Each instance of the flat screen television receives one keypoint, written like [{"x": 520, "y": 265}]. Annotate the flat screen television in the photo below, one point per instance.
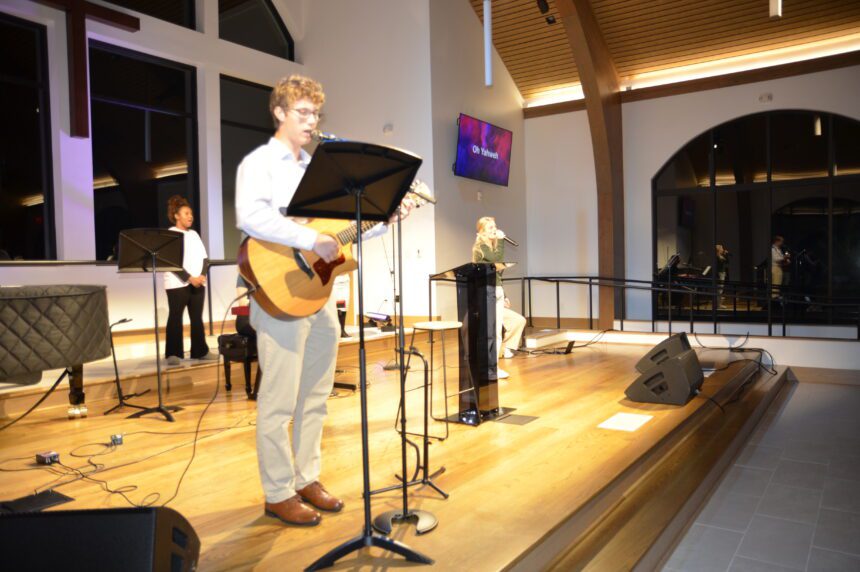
[{"x": 483, "y": 151}]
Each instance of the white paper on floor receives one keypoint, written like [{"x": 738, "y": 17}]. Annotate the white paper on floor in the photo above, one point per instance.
[{"x": 626, "y": 422}]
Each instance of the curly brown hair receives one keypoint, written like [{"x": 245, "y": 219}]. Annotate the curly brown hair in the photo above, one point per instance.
[
  {"x": 175, "y": 203},
  {"x": 290, "y": 89}
]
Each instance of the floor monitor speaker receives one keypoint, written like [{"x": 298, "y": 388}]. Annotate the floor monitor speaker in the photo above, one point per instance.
[
  {"x": 674, "y": 382},
  {"x": 128, "y": 539},
  {"x": 668, "y": 348}
]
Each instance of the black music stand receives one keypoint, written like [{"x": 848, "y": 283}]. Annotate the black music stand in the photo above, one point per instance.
[
  {"x": 152, "y": 250},
  {"x": 364, "y": 182}
]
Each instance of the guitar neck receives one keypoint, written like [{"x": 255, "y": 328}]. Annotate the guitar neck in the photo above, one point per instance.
[{"x": 349, "y": 234}]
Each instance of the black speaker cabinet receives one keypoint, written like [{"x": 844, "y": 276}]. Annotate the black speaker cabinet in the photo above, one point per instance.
[
  {"x": 668, "y": 348},
  {"x": 674, "y": 382},
  {"x": 128, "y": 539}
]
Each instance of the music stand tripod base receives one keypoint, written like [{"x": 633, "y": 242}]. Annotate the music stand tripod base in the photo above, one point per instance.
[
  {"x": 163, "y": 409},
  {"x": 366, "y": 541}
]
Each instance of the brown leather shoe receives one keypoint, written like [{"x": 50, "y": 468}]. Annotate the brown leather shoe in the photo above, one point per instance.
[
  {"x": 294, "y": 511},
  {"x": 316, "y": 494}
]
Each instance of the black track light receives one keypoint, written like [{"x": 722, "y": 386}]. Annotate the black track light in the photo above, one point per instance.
[{"x": 543, "y": 6}]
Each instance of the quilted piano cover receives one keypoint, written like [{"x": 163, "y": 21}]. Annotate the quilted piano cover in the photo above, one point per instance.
[{"x": 51, "y": 327}]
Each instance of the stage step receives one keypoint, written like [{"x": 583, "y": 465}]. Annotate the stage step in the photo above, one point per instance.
[{"x": 641, "y": 517}]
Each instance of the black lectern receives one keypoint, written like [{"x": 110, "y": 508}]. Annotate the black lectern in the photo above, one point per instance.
[
  {"x": 479, "y": 358},
  {"x": 364, "y": 182}
]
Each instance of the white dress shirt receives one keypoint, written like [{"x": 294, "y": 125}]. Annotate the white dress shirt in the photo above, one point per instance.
[
  {"x": 777, "y": 256},
  {"x": 193, "y": 256},
  {"x": 266, "y": 181}
]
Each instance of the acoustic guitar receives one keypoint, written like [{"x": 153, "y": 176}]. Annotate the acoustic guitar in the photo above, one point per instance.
[{"x": 293, "y": 283}]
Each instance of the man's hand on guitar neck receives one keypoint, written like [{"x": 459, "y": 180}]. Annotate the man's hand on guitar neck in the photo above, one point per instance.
[
  {"x": 403, "y": 210},
  {"x": 326, "y": 248}
]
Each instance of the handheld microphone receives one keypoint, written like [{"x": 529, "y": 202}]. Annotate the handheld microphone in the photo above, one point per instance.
[
  {"x": 511, "y": 241},
  {"x": 318, "y": 135}
]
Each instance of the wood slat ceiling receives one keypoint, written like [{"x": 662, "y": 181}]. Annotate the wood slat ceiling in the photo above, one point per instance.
[{"x": 651, "y": 35}]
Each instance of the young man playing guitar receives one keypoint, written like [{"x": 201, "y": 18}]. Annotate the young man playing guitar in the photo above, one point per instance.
[{"x": 297, "y": 355}]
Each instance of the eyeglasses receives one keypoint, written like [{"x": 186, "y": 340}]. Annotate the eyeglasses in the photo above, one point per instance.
[{"x": 307, "y": 113}]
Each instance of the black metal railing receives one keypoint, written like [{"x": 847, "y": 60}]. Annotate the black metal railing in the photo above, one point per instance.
[
  {"x": 738, "y": 292},
  {"x": 768, "y": 299}
]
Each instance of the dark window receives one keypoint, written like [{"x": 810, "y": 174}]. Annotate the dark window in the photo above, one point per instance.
[
  {"x": 800, "y": 216},
  {"x": 740, "y": 152},
  {"x": 846, "y": 137},
  {"x": 811, "y": 199},
  {"x": 180, "y": 12},
  {"x": 255, "y": 24},
  {"x": 26, "y": 196},
  {"x": 798, "y": 145},
  {"x": 144, "y": 141},
  {"x": 688, "y": 169},
  {"x": 245, "y": 125},
  {"x": 846, "y": 238},
  {"x": 742, "y": 228},
  {"x": 685, "y": 226}
]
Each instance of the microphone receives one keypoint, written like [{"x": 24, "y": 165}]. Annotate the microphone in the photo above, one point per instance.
[
  {"x": 321, "y": 136},
  {"x": 511, "y": 241}
]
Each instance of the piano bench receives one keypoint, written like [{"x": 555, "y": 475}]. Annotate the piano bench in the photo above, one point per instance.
[{"x": 242, "y": 348}]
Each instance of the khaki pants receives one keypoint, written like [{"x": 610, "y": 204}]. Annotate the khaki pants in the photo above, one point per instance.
[
  {"x": 513, "y": 323},
  {"x": 776, "y": 280},
  {"x": 298, "y": 358}
]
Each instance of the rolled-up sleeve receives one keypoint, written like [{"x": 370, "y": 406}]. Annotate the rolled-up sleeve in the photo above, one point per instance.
[{"x": 256, "y": 214}]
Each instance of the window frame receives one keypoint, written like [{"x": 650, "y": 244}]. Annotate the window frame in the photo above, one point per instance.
[
  {"x": 770, "y": 186},
  {"x": 43, "y": 88},
  {"x": 194, "y": 152}
]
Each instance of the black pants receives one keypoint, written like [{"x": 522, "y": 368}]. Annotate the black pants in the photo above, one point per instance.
[{"x": 177, "y": 300}]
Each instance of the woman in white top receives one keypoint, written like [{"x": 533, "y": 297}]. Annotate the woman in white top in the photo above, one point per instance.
[{"x": 186, "y": 289}]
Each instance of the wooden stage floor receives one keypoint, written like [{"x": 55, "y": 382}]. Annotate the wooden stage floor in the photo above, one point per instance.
[{"x": 510, "y": 484}]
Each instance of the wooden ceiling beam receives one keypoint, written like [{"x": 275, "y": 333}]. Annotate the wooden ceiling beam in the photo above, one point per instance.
[{"x": 603, "y": 104}]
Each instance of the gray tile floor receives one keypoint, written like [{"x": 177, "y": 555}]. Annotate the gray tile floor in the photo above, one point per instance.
[{"x": 791, "y": 502}]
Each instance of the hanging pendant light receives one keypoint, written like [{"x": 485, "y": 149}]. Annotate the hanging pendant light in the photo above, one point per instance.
[{"x": 488, "y": 43}]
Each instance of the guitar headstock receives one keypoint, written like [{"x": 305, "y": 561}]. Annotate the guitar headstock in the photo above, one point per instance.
[{"x": 420, "y": 193}]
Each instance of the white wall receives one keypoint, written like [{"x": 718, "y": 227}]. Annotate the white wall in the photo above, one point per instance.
[
  {"x": 561, "y": 172},
  {"x": 562, "y": 210},
  {"x": 376, "y": 72},
  {"x": 458, "y": 87}
]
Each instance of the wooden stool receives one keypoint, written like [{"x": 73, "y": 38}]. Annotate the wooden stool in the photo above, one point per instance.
[{"x": 441, "y": 327}]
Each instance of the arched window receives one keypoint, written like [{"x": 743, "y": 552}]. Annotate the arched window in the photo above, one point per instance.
[{"x": 792, "y": 173}]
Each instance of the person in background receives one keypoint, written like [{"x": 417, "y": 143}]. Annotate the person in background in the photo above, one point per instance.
[
  {"x": 778, "y": 261},
  {"x": 186, "y": 289},
  {"x": 722, "y": 268},
  {"x": 490, "y": 247}
]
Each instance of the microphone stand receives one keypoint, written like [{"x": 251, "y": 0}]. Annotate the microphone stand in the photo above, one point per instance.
[
  {"x": 394, "y": 365},
  {"x": 120, "y": 397}
]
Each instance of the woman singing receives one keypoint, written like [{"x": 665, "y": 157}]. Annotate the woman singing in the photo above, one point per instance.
[
  {"x": 490, "y": 247},
  {"x": 186, "y": 289}
]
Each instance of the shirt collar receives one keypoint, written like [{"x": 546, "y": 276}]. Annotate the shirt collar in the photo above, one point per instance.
[{"x": 283, "y": 152}]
